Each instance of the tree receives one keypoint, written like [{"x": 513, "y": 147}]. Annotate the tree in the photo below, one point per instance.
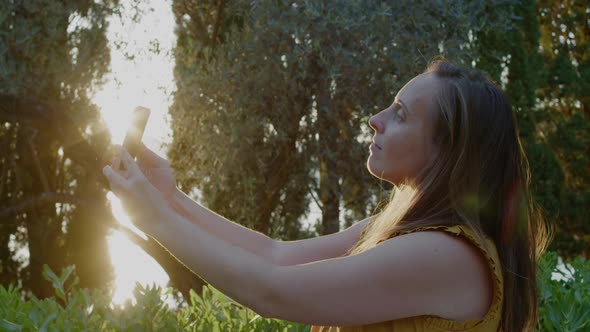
[
  {"x": 275, "y": 114},
  {"x": 53, "y": 55},
  {"x": 543, "y": 65},
  {"x": 52, "y": 191},
  {"x": 564, "y": 98}
]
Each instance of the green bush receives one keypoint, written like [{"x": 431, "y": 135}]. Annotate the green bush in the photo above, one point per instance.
[
  {"x": 565, "y": 306},
  {"x": 565, "y": 301},
  {"x": 84, "y": 310}
]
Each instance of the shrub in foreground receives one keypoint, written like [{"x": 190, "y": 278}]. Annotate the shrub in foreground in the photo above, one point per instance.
[
  {"x": 564, "y": 295},
  {"x": 564, "y": 302},
  {"x": 83, "y": 310}
]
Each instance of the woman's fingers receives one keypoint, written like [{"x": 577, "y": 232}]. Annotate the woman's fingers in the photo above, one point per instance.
[
  {"x": 117, "y": 181},
  {"x": 116, "y": 163},
  {"x": 128, "y": 162},
  {"x": 150, "y": 158}
]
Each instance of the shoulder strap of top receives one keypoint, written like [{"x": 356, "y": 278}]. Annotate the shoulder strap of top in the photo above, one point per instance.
[{"x": 490, "y": 253}]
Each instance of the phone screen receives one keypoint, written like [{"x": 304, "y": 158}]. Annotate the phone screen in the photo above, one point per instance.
[{"x": 135, "y": 131}]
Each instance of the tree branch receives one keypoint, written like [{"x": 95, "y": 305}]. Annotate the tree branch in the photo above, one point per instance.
[
  {"x": 55, "y": 117},
  {"x": 217, "y": 22},
  {"x": 43, "y": 199},
  {"x": 35, "y": 155},
  {"x": 315, "y": 199}
]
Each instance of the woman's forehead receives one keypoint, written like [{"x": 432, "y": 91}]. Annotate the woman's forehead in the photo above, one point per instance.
[{"x": 417, "y": 93}]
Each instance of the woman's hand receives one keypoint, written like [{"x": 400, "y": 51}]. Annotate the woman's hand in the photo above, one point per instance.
[
  {"x": 155, "y": 168},
  {"x": 144, "y": 203}
]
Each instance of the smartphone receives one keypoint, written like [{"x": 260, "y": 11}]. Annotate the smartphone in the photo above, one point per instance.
[{"x": 135, "y": 131}]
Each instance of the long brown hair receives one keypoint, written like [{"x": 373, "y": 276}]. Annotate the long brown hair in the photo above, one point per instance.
[{"x": 480, "y": 178}]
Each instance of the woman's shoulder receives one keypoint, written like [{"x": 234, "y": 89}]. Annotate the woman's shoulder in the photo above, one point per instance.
[
  {"x": 462, "y": 273},
  {"x": 481, "y": 274}
]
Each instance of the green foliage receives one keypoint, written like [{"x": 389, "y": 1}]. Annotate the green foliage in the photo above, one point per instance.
[
  {"x": 564, "y": 297},
  {"x": 543, "y": 66},
  {"x": 275, "y": 114},
  {"x": 84, "y": 310},
  {"x": 216, "y": 312},
  {"x": 287, "y": 103},
  {"x": 562, "y": 119},
  {"x": 564, "y": 302}
]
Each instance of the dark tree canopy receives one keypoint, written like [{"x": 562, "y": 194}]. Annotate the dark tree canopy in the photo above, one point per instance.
[{"x": 273, "y": 100}]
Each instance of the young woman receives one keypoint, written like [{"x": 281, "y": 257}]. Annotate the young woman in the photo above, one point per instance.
[{"x": 455, "y": 248}]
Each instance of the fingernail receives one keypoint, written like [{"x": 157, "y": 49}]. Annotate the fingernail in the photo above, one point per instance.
[{"x": 104, "y": 170}]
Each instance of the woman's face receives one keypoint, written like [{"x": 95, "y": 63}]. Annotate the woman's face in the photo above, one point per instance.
[{"x": 403, "y": 144}]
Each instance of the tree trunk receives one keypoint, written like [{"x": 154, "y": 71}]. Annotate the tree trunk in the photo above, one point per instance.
[
  {"x": 328, "y": 159},
  {"x": 43, "y": 228}
]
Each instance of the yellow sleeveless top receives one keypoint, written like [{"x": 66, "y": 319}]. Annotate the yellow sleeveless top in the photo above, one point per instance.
[{"x": 490, "y": 322}]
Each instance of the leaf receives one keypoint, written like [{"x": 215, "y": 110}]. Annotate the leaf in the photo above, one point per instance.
[
  {"x": 253, "y": 319},
  {"x": 47, "y": 321},
  {"x": 49, "y": 275},
  {"x": 9, "y": 326},
  {"x": 34, "y": 317},
  {"x": 65, "y": 273},
  {"x": 60, "y": 293}
]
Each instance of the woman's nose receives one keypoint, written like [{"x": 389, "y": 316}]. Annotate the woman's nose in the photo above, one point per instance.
[{"x": 375, "y": 124}]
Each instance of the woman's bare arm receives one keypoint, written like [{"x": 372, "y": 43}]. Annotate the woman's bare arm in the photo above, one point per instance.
[
  {"x": 321, "y": 247},
  {"x": 277, "y": 252},
  {"x": 224, "y": 229}
]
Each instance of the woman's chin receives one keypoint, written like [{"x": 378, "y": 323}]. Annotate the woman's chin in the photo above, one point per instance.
[{"x": 374, "y": 169}]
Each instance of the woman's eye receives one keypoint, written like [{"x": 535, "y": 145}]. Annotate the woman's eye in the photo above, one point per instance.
[{"x": 397, "y": 116}]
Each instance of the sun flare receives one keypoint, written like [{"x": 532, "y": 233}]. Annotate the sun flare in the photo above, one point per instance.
[
  {"x": 147, "y": 81},
  {"x": 132, "y": 265}
]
